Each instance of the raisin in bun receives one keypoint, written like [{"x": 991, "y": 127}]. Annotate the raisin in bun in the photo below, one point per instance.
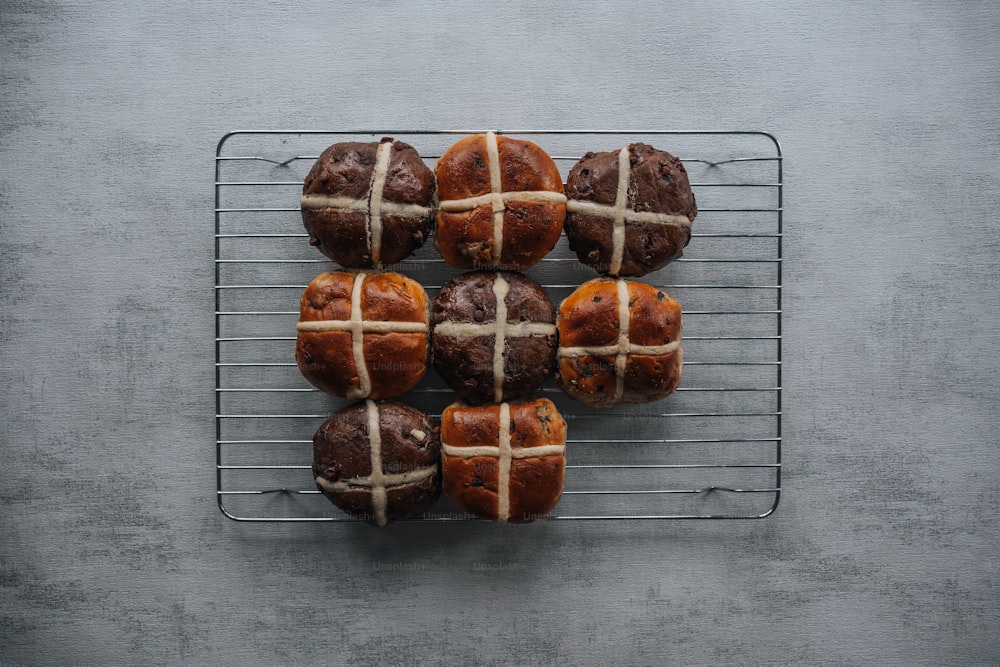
[
  {"x": 504, "y": 462},
  {"x": 629, "y": 212},
  {"x": 366, "y": 205},
  {"x": 501, "y": 203},
  {"x": 619, "y": 342},
  {"x": 378, "y": 461},
  {"x": 493, "y": 335},
  {"x": 363, "y": 335}
]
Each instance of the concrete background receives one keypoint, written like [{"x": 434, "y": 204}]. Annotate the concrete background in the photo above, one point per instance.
[{"x": 885, "y": 547}]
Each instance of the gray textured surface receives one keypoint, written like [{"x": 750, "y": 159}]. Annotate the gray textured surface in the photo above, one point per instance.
[{"x": 885, "y": 548}]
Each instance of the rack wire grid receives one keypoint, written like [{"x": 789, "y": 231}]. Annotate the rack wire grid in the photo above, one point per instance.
[{"x": 711, "y": 450}]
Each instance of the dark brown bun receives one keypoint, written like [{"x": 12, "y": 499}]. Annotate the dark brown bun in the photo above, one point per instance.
[
  {"x": 609, "y": 357},
  {"x": 380, "y": 358},
  {"x": 368, "y": 205},
  {"x": 504, "y": 462},
  {"x": 501, "y": 203},
  {"x": 464, "y": 327},
  {"x": 655, "y": 211},
  {"x": 394, "y": 475}
]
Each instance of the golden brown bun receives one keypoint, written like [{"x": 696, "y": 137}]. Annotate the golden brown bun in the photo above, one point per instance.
[
  {"x": 589, "y": 318},
  {"x": 394, "y": 360},
  {"x": 473, "y": 483},
  {"x": 466, "y": 238}
]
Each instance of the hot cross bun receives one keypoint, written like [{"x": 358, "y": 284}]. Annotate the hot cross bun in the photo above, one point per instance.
[
  {"x": 504, "y": 462},
  {"x": 493, "y": 335},
  {"x": 378, "y": 461},
  {"x": 367, "y": 205},
  {"x": 629, "y": 212},
  {"x": 501, "y": 203},
  {"x": 619, "y": 342},
  {"x": 363, "y": 335}
]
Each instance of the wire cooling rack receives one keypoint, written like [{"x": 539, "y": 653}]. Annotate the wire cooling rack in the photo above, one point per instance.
[{"x": 712, "y": 450}]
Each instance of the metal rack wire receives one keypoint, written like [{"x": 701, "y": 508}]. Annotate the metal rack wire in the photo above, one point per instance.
[{"x": 712, "y": 450}]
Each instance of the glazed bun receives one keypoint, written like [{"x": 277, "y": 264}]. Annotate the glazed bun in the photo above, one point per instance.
[
  {"x": 619, "y": 342},
  {"x": 363, "y": 335},
  {"x": 504, "y": 462},
  {"x": 501, "y": 203}
]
